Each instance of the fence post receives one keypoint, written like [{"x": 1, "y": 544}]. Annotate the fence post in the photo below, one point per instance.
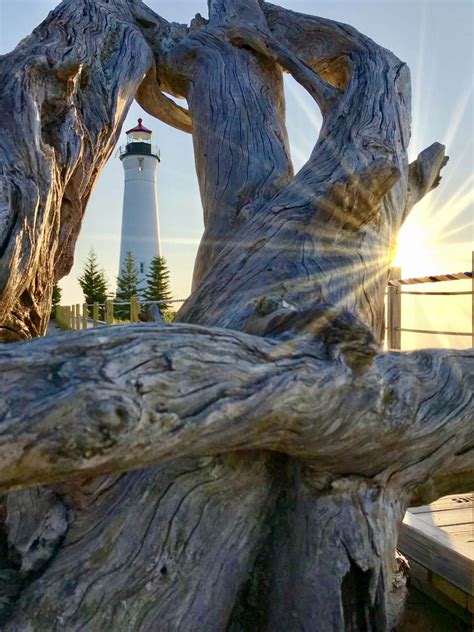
[
  {"x": 394, "y": 311},
  {"x": 85, "y": 316},
  {"x": 78, "y": 316},
  {"x": 472, "y": 299},
  {"x": 67, "y": 317},
  {"x": 95, "y": 314},
  {"x": 61, "y": 316},
  {"x": 134, "y": 308},
  {"x": 73, "y": 317},
  {"x": 109, "y": 311},
  {"x": 58, "y": 315}
]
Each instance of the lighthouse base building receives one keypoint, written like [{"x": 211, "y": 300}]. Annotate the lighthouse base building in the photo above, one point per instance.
[{"x": 140, "y": 216}]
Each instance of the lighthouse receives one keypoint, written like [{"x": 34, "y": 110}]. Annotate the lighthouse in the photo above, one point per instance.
[{"x": 140, "y": 220}]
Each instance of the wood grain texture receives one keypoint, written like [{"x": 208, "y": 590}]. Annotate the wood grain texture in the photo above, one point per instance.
[
  {"x": 165, "y": 407},
  {"x": 287, "y": 449},
  {"x": 433, "y": 548},
  {"x": 103, "y": 402},
  {"x": 325, "y": 238},
  {"x": 240, "y": 140},
  {"x": 62, "y": 112},
  {"x": 328, "y": 234}
]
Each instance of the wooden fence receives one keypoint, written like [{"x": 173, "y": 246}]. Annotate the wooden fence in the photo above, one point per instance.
[{"x": 78, "y": 317}]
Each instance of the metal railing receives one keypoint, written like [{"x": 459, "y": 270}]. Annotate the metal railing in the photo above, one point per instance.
[
  {"x": 394, "y": 304},
  {"x": 83, "y": 316},
  {"x": 139, "y": 149}
]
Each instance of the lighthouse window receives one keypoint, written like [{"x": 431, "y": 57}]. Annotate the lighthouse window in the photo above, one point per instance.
[
  {"x": 142, "y": 268},
  {"x": 141, "y": 162}
]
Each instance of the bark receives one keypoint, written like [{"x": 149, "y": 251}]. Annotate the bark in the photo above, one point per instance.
[
  {"x": 237, "y": 105},
  {"x": 66, "y": 91},
  {"x": 105, "y": 404},
  {"x": 285, "y": 454}
]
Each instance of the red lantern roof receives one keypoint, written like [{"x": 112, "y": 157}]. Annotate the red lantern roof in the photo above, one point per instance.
[{"x": 140, "y": 128}]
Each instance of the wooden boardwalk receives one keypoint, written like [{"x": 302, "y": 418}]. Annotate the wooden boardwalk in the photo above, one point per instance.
[{"x": 438, "y": 539}]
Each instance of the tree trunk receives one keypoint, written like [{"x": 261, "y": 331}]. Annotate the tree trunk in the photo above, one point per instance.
[{"x": 284, "y": 465}]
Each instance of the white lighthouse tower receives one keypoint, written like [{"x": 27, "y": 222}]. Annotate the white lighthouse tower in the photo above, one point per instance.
[{"x": 140, "y": 222}]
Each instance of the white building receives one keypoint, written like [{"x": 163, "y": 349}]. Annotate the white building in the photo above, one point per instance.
[{"x": 140, "y": 219}]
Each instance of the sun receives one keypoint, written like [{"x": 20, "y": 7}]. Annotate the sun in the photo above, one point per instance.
[
  {"x": 415, "y": 250},
  {"x": 437, "y": 237}
]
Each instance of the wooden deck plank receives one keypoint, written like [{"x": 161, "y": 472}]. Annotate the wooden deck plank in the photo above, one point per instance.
[
  {"x": 441, "y": 538},
  {"x": 435, "y": 535},
  {"x": 461, "y": 530},
  {"x": 446, "y": 503},
  {"x": 447, "y": 517}
]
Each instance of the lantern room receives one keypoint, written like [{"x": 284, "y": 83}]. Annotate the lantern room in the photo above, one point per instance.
[{"x": 139, "y": 142}]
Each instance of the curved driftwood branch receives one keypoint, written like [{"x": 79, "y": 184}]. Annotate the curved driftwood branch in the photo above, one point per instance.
[
  {"x": 241, "y": 160},
  {"x": 69, "y": 96},
  {"x": 310, "y": 267},
  {"x": 136, "y": 396},
  {"x": 152, "y": 100},
  {"x": 456, "y": 476},
  {"x": 297, "y": 447},
  {"x": 324, "y": 45},
  {"x": 424, "y": 174},
  {"x": 263, "y": 43}
]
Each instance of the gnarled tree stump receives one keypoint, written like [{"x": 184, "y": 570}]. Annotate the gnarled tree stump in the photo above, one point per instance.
[{"x": 275, "y": 447}]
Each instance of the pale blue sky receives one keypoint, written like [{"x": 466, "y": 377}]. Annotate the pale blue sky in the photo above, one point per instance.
[{"x": 435, "y": 38}]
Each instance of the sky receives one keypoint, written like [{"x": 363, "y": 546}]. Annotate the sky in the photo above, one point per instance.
[{"x": 434, "y": 37}]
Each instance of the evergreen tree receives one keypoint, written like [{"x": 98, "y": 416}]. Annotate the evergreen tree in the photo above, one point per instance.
[
  {"x": 56, "y": 298},
  {"x": 128, "y": 284},
  {"x": 158, "y": 284},
  {"x": 93, "y": 281}
]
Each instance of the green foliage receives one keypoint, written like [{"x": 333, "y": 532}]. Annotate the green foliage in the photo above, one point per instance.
[
  {"x": 128, "y": 282},
  {"x": 169, "y": 316},
  {"x": 158, "y": 285},
  {"x": 128, "y": 285},
  {"x": 93, "y": 281},
  {"x": 56, "y": 298}
]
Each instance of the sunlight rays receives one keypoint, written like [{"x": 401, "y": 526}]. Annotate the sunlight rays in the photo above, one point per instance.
[
  {"x": 425, "y": 246},
  {"x": 414, "y": 252},
  {"x": 435, "y": 231},
  {"x": 458, "y": 116},
  {"x": 436, "y": 237}
]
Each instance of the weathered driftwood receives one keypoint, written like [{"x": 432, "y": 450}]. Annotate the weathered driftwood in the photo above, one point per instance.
[
  {"x": 104, "y": 403},
  {"x": 151, "y": 314},
  {"x": 286, "y": 454},
  {"x": 66, "y": 90}
]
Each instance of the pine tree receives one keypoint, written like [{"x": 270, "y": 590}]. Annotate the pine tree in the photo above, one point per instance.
[
  {"x": 158, "y": 284},
  {"x": 93, "y": 281},
  {"x": 56, "y": 298},
  {"x": 128, "y": 284}
]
